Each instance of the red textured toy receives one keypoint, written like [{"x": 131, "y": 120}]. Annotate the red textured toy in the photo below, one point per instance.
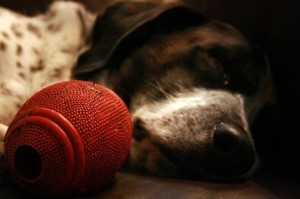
[{"x": 69, "y": 138}]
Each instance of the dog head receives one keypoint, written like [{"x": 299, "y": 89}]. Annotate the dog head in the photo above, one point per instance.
[{"x": 193, "y": 86}]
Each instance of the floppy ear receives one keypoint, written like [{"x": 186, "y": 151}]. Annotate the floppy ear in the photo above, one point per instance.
[{"x": 124, "y": 27}]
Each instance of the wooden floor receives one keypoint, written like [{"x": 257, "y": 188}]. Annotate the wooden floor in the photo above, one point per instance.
[{"x": 136, "y": 186}]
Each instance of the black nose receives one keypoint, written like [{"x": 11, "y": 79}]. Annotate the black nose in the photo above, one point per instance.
[{"x": 233, "y": 150}]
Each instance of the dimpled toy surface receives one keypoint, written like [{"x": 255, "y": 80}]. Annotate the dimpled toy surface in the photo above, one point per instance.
[{"x": 69, "y": 138}]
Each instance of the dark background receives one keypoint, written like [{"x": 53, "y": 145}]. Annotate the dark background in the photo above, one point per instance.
[{"x": 275, "y": 26}]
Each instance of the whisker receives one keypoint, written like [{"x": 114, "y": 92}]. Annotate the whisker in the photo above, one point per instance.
[{"x": 157, "y": 86}]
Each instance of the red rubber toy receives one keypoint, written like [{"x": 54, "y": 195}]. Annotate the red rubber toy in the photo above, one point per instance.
[{"x": 70, "y": 138}]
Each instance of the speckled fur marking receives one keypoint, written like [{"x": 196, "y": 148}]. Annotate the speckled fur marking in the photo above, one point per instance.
[{"x": 38, "y": 51}]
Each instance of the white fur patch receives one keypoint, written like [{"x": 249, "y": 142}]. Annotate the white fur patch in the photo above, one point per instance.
[
  {"x": 188, "y": 101},
  {"x": 38, "y": 51}
]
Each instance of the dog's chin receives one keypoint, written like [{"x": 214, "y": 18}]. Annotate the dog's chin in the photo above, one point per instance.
[
  {"x": 156, "y": 164},
  {"x": 207, "y": 175}
]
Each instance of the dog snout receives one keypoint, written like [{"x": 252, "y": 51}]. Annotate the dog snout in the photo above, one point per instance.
[
  {"x": 203, "y": 134},
  {"x": 233, "y": 150}
]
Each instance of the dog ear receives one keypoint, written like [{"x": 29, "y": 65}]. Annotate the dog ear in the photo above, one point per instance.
[{"x": 124, "y": 27}]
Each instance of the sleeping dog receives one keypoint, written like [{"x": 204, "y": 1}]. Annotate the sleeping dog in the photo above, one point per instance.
[{"x": 193, "y": 86}]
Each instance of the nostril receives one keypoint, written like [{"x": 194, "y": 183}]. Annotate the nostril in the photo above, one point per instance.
[
  {"x": 139, "y": 132},
  {"x": 226, "y": 137},
  {"x": 224, "y": 141},
  {"x": 233, "y": 150}
]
